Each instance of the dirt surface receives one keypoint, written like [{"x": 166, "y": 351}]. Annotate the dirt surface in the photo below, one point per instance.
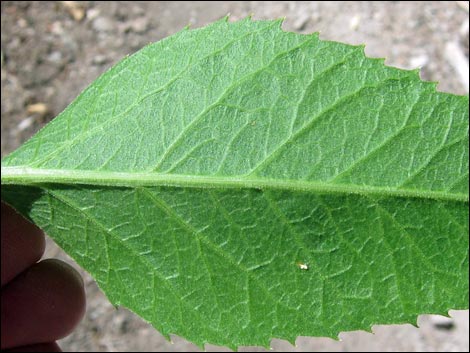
[{"x": 50, "y": 51}]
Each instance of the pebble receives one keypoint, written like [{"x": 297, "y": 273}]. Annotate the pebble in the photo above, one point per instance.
[
  {"x": 25, "y": 123},
  {"x": 301, "y": 21},
  {"x": 140, "y": 25},
  {"x": 55, "y": 57},
  {"x": 418, "y": 61},
  {"x": 92, "y": 13},
  {"x": 75, "y": 9},
  {"x": 355, "y": 22},
  {"x": 99, "y": 59},
  {"x": 56, "y": 28},
  {"x": 102, "y": 24},
  {"x": 37, "y": 108},
  {"x": 14, "y": 43},
  {"x": 442, "y": 322},
  {"x": 22, "y": 23}
]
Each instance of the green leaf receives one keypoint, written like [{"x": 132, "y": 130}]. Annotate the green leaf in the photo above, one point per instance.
[{"x": 236, "y": 183}]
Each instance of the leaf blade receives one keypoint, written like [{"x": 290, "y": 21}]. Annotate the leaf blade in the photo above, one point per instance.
[
  {"x": 255, "y": 150},
  {"x": 329, "y": 255}
]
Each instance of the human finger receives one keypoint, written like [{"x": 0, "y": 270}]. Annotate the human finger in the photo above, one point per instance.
[
  {"x": 42, "y": 304},
  {"x": 22, "y": 244}
]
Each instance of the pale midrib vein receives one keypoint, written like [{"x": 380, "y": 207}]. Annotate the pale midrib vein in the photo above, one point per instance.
[{"x": 32, "y": 176}]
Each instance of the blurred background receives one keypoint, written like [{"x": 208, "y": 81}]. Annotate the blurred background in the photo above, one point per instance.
[{"x": 51, "y": 51}]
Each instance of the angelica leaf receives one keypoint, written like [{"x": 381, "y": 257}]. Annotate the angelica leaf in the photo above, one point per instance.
[{"x": 237, "y": 183}]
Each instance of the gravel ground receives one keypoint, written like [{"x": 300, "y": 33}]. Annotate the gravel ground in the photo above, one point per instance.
[{"x": 50, "y": 51}]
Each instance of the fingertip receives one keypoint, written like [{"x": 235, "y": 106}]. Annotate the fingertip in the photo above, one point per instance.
[
  {"x": 40, "y": 347},
  {"x": 43, "y": 304},
  {"x": 22, "y": 243}
]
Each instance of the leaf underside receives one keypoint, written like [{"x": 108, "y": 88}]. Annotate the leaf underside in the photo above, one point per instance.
[{"x": 237, "y": 183}]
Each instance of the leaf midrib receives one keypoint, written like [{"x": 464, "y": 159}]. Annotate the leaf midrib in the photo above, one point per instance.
[{"x": 33, "y": 176}]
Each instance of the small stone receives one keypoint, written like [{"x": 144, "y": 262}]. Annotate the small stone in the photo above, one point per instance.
[
  {"x": 15, "y": 43},
  {"x": 55, "y": 57},
  {"x": 75, "y": 9},
  {"x": 25, "y": 123},
  {"x": 100, "y": 60},
  {"x": 442, "y": 322},
  {"x": 37, "y": 108},
  {"x": 56, "y": 28},
  {"x": 140, "y": 25},
  {"x": 301, "y": 21},
  {"x": 91, "y": 14},
  {"x": 102, "y": 24},
  {"x": 22, "y": 23},
  {"x": 419, "y": 61},
  {"x": 355, "y": 22}
]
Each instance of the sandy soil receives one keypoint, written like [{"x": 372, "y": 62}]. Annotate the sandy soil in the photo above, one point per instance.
[{"x": 50, "y": 51}]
